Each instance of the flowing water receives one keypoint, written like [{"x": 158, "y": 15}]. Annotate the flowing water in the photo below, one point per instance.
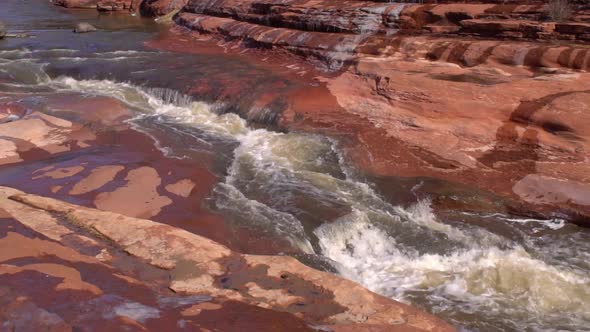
[{"x": 298, "y": 189}]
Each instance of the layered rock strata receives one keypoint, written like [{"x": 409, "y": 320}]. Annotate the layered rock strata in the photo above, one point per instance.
[{"x": 530, "y": 21}]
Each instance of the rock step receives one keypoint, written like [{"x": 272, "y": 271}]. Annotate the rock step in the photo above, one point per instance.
[
  {"x": 362, "y": 17},
  {"x": 417, "y": 16},
  {"x": 507, "y": 28},
  {"x": 526, "y": 29},
  {"x": 474, "y": 52},
  {"x": 331, "y": 49},
  {"x": 508, "y": 20},
  {"x": 334, "y": 50},
  {"x": 358, "y": 17},
  {"x": 101, "y": 5},
  {"x": 493, "y": 21}
]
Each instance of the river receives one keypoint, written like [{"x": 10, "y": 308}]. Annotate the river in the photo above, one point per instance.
[{"x": 479, "y": 271}]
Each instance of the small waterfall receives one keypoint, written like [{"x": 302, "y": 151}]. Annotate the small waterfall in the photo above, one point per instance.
[
  {"x": 520, "y": 56},
  {"x": 168, "y": 96},
  {"x": 24, "y": 71}
]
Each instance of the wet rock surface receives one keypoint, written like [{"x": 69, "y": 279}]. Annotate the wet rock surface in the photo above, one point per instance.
[
  {"x": 205, "y": 276},
  {"x": 95, "y": 158}
]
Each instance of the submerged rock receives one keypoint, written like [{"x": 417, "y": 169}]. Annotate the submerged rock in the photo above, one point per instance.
[
  {"x": 84, "y": 27},
  {"x": 2, "y": 30}
]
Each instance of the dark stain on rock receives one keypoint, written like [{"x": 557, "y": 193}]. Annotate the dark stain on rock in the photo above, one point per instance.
[
  {"x": 579, "y": 59},
  {"x": 456, "y": 55},
  {"x": 533, "y": 57},
  {"x": 237, "y": 317},
  {"x": 317, "y": 303},
  {"x": 9, "y": 224},
  {"x": 436, "y": 53},
  {"x": 466, "y": 78},
  {"x": 485, "y": 55},
  {"x": 564, "y": 57},
  {"x": 522, "y": 153},
  {"x": 185, "y": 269}
]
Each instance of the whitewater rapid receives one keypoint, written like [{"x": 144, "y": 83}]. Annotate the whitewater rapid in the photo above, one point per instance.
[{"x": 299, "y": 188}]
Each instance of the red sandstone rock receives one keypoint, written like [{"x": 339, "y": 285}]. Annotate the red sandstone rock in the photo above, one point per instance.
[
  {"x": 316, "y": 16},
  {"x": 509, "y": 136},
  {"x": 441, "y": 29},
  {"x": 334, "y": 50},
  {"x": 572, "y": 28},
  {"x": 76, "y": 3},
  {"x": 490, "y": 54},
  {"x": 331, "y": 49},
  {"x": 491, "y": 21},
  {"x": 507, "y": 28},
  {"x": 118, "y": 5},
  {"x": 156, "y": 8}
]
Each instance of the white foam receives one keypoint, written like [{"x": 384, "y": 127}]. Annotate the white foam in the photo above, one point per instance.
[
  {"x": 421, "y": 213},
  {"x": 553, "y": 224},
  {"x": 136, "y": 311},
  {"x": 11, "y": 53},
  {"x": 511, "y": 280}
]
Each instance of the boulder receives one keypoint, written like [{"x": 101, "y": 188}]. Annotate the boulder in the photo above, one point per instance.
[{"x": 84, "y": 27}]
